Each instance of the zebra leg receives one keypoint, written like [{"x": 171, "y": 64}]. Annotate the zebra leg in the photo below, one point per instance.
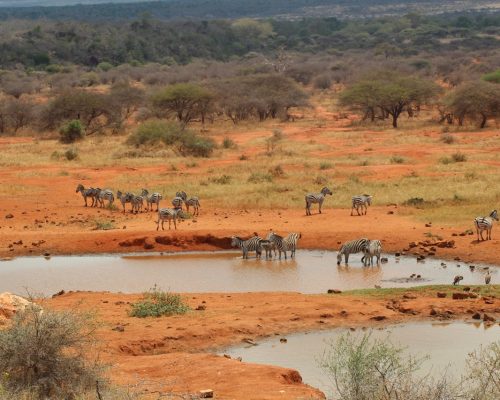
[
  {"x": 481, "y": 233},
  {"x": 346, "y": 255},
  {"x": 319, "y": 206},
  {"x": 175, "y": 223},
  {"x": 158, "y": 224},
  {"x": 357, "y": 210},
  {"x": 308, "y": 211}
]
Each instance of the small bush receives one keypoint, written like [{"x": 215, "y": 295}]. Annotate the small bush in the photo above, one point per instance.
[
  {"x": 414, "y": 201},
  {"x": 193, "y": 145},
  {"x": 228, "y": 143},
  {"x": 322, "y": 82},
  {"x": 71, "y": 154},
  {"x": 104, "y": 225},
  {"x": 277, "y": 171},
  {"x": 325, "y": 165},
  {"x": 46, "y": 354},
  {"x": 447, "y": 138},
  {"x": 71, "y": 132},
  {"x": 320, "y": 180},
  {"x": 243, "y": 157},
  {"x": 105, "y": 66},
  {"x": 397, "y": 160},
  {"x": 157, "y": 303},
  {"x": 258, "y": 177},
  {"x": 221, "y": 180},
  {"x": 459, "y": 157}
]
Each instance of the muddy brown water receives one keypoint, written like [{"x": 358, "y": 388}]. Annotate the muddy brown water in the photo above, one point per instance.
[
  {"x": 310, "y": 272},
  {"x": 446, "y": 345}
]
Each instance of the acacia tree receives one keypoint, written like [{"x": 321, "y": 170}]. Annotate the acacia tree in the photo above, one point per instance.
[
  {"x": 185, "y": 100},
  {"x": 475, "y": 100},
  {"x": 393, "y": 94}
]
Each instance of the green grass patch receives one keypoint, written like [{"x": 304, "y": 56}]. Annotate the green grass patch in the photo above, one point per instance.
[
  {"x": 157, "y": 303},
  {"x": 429, "y": 290}
]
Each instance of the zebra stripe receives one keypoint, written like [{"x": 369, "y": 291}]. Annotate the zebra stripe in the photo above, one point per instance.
[
  {"x": 268, "y": 246},
  {"x": 154, "y": 198},
  {"x": 195, "y": 203},
  {"x": 124, "y": 198},
  {"x": 86, "y": 193},
  {"x": 361, "y": 202},
  {"x": 137, "y": 203},
  {"x": 316, "y": 198},
  {"x": 105, "y": 194},
  {"x": 352, "y": 247},
  {"x": 373, "y": 249},
  {"x": 291, "y": 241},
  {"x": 485, "y": 224},
  {"x": 177, "y": 202},
  {"x": 279, "y": 243},
  {"x": 252, "y": 244},
  {"x": 182, "y": 194},
  {"x": 169, "y": 214}
]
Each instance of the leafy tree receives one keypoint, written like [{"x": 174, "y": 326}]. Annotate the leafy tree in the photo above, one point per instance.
[
  {"x": 124, "y": 100},
  {"x": 393, "y": 93},
  {"x": 71, "y": 132},
  {"x": 475, "y": 100},
  {"x": 185, "y": 100}
]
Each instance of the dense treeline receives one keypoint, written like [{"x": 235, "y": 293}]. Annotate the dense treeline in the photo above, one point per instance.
[
  {"x": 210, "y": 9},
  {"x": 148, "y": 40}
]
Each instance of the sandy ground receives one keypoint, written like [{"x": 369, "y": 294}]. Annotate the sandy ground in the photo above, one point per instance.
[{"x": 173, "y": 353}]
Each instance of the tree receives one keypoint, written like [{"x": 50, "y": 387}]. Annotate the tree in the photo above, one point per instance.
[
  {"x": 124, "y": 100},
  {"x": 393, "y": 93},
  {"x": 72, "y": 131},
  {"x": 185, "y": 100},
  {"x": 475, "y": 100},
  {"x": 15, "y": 114}
]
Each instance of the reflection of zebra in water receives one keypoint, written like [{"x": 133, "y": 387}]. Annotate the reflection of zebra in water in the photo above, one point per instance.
[
  {"x": 373, "y": 249},
  {"x": 105, "y": 194},
  {"x": 87, "y": 193},
  {"x": 361, "y": 202},
  {"x": 485, "y": 224},
  {"x": 252, "y": 244},
  {"x": 195, "y": 203},
  {"x": 352, "y": 247},
  {"x": 154, "y": 198},
  {"x": 168, "y": 214},
  {"x": 316, "y": 198},
  {"x": 291, "y": 241}
]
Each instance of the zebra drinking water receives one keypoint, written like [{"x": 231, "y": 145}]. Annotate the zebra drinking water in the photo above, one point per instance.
[
  {"x": 361, "y": 202},
  {"x": 154, "y": 198},
  {"x": 352, "y": 247},
  {"x": 373, "y": 249},
  {"x": 316, "y": 198},
  {"x": 485, "y": 224},
  {"x": 252, "y": 244},
  {"x": 168, "y": 214}
]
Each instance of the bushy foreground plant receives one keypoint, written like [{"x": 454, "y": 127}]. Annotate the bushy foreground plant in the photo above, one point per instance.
[
  {"x": 45, "y": 354},
  {"x": 157, "y": 303}
]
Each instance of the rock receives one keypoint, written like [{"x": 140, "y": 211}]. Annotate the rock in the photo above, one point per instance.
[
  {"x": 472, "y": 295},
  {"x": 433, "y": 312},
  {"x": 384, "y": 260},
  {"x": 9, "y": 216},
  {"x": 441, "y": 295},
  {"x": 10, "y": 304},
  {"x": 398, "y": 254},
  {"x": 409, "y": 296},
  {"x": 201, "y": 307},
  {"x": 227, "y": 356},
  {"x": 379, "y": 318},
  {"x": 206, "y": 394},
  {"x": 334, "y": 291},
  {"x": 118, "y": 328},
  {"x": 488, "y": 318},
  {"x": 283, "y": 340},
  {"x": 326, "y": 316},
  {"x": 476, "y": 316},
  {"x": 390, "y": 212},
  {"x": 459, "y": 296}
]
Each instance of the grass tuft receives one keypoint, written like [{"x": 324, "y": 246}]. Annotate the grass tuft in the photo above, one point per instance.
[{"x": 157, "y": 303}]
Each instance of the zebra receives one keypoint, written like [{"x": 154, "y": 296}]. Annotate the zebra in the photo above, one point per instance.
[
  {"x": 485, "y": 224},
  {"x": 457, "y": 279},
  {"x": 177, "y": 202},
  {"x": 170, "y": 214},
  {"x": 373, "y": 249},
  {"x": 313, "y": 198},
  {"x": 137, "y": 203},
  {"x": 195, "y": 202},
  {"x": 487, "y": 278},
  {"x": 361, "y": 202},
  {"x": 268, "y": 247},
  {"x": 124, "y": 198},
  {"x": 279, "y": 243},
  {"x": 252, "y": 244},
  {"x": 348, "y": 248},
  {"x": 291, "y": 241},
  {"x": 105, "y": 194},
  {"x": 89, "y": 192},
  {"x": 155, "y": 198},
  {"x": 182, "y": 194}
]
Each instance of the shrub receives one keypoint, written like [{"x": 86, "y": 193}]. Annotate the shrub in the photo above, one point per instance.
[
  {"x": 325, "y": 165},
  {"x": 493, "y": 77},
  {"x": 228, "y": 143},
  {"x": 46, "y": 354},
  {"x": 243, "y": 157},
  {"x": 258, "y": 177},
  {"x": 447, "y": 138},
  {"x": 71, "y": 154},
  {"x": 459, "y": 157},
  {"x": 414, "y": 201},
  {"x": 105, "y": 66},
  {"x": 71, "y": 132},
  {"x": 221, "y": 180},
  {"x": 322, "y": 82},
  {"x": 191, "y": 144},
  {"x": 157, "y": 303},
  {"x": 277, "y": 171},
  {"x": 104, "y": 225},
  {"x": 320, "y": 180},
  {"x": 397, "y": 160}
]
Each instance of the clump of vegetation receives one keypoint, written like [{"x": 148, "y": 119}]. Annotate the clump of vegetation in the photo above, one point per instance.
[
  {"x": 320, "y": 180},
  {"x": 258, "y": 177},
  {"x": 397, "y": 160},
  {"x": 447, "y": 138},
  {"x": 493, "y": 77},
  {"x": 45, "y": 354},
  {"x": 104, "y": 225},
  {"x": 71, "y": 154},
  {"x": 414, "y": 202},
  {"x": 184, "y": 141},
  {"x": 325, "y": 165},
  {"x": 157, "y": 303},
  {"x": 221, "y": 180},
  {"x": 243, "y": 157},
  {"x": 71, "y": 132},
  {"x": 277, "y": 171},
  {"x": 454, "y": 158},
  {"x": 228, "y": 143}
]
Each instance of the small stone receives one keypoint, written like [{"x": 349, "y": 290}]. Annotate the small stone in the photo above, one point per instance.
[
  {"x": 379, "y": 318},
  {"x": 283, "y": 340},
  {"x": 118, "y": 328},
  {"x": 441, "y": 295},
  {"x": 459, "y": 296},
  {"x": 9, "y": 216},
  {"x": 433, "y": 312},
  {"x": 488, "y": 318},
  {"x": 201, "y": 307}
]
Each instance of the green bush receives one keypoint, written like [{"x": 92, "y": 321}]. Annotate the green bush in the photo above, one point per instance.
[
  {"x": 493, "y": 77},
  {"x": 157, "y": 303},
  {"x": 258, "y": 177},
  {"x": 105, "y": 66},
  {"x": 191, "y": 144},
  {"x": 71, "y": 132},
  {"x": 71, "y": 154},
  {"x": 228, "y": 143}
]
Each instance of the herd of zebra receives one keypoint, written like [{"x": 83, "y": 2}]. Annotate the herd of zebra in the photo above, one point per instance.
[{"x": 100, "y": 196}]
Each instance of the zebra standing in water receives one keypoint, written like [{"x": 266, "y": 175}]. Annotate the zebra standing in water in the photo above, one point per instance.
[
  {"x": 485, "y": 224},
  {"x": 352, "y": 247},
  {"x": 373, "y": 249},
  {"x": 252, "y": 244},
  {"x": 86, "y": 193},
  {"x": 291, "y": 241},
  {"x": 195, "y": 203},
  {"x": 313, "y": 198},
  {"x": 279, "y": 243},
  {"x": 361, "y": 202},
  {"x": 124, "y": 198},
  {"x": 105, "y": 194},
  {"x": 155, "y": 198},
  {"x": 169, "y": 214}
]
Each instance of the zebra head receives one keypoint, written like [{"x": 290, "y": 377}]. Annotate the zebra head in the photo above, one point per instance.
[
  {"x": 235, "y": 241},
  {"x": 80, "y": 188},
  {"x": 182, "y": 194},
  {"x": 494, "y": 214},
  {"x": 339, "y": 256},
  {"x": 119, "y": 194},
  {"x": 368, "y": 199},
  {"x": 326, "y": 191},
  {"x": 144, "y": 192}
]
